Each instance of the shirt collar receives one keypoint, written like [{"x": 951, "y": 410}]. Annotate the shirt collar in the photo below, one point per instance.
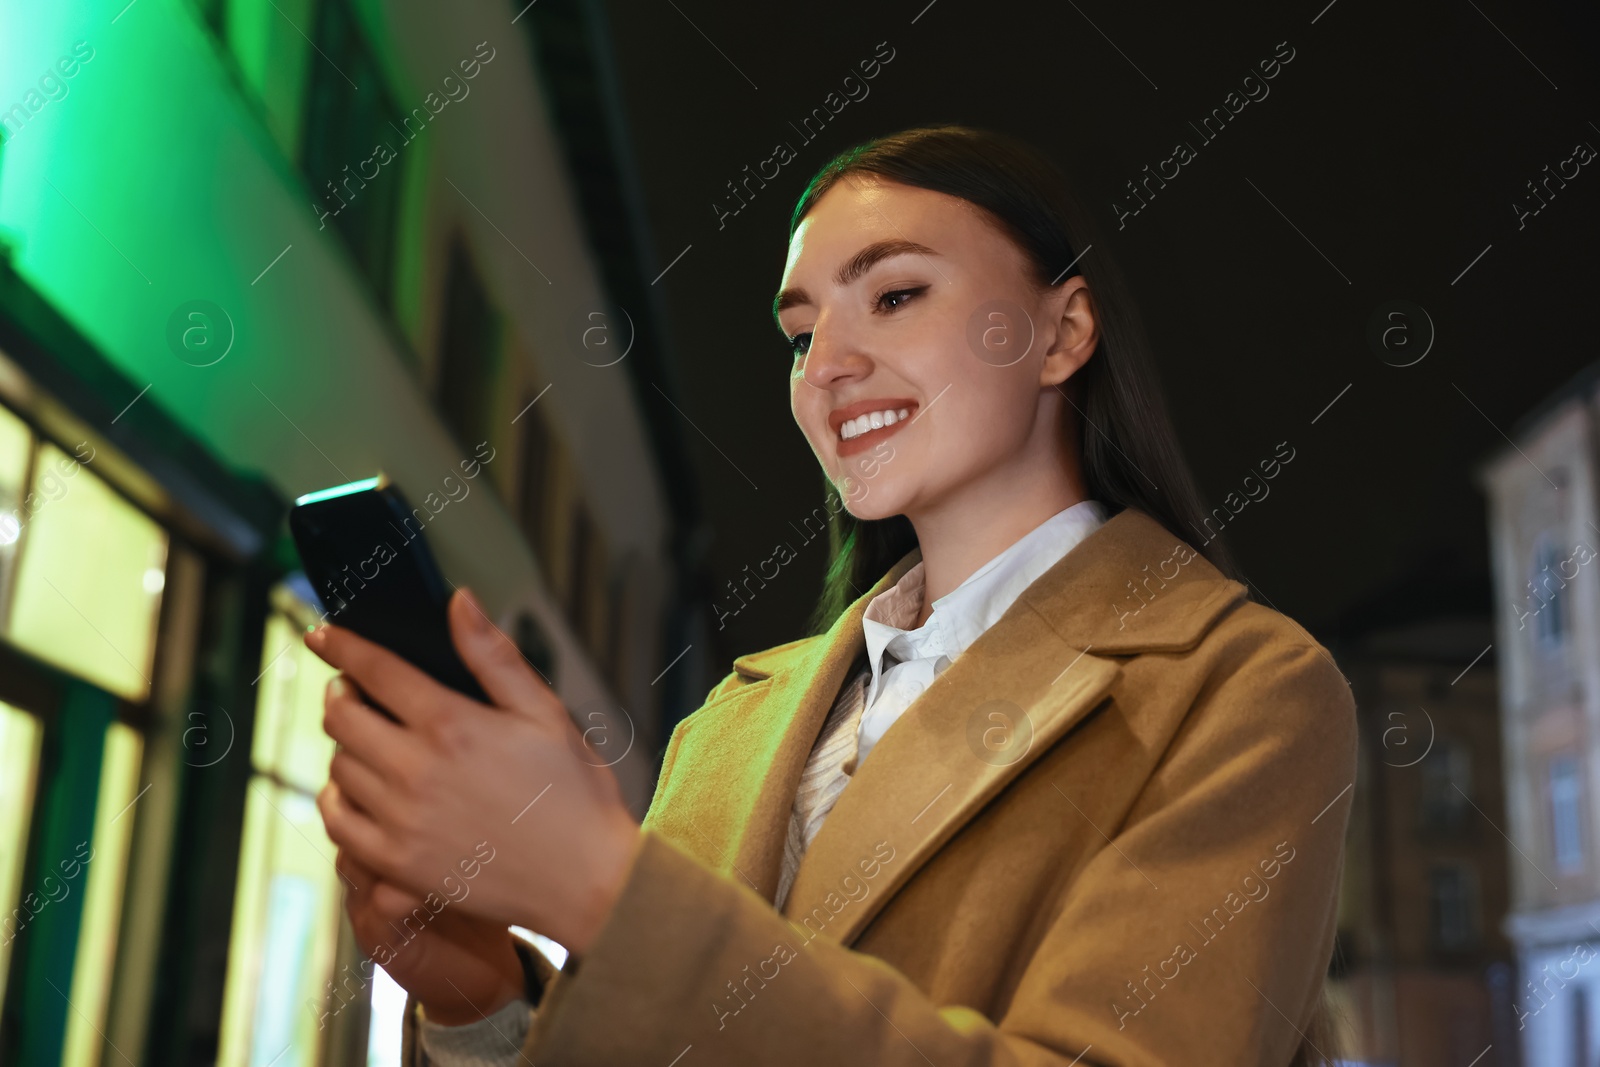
[{"x": 964, "y": 613}]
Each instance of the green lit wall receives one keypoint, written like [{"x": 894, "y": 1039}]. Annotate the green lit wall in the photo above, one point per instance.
[{"x": 159, "y": 179}]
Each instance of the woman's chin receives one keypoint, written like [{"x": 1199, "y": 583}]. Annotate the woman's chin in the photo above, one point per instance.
[{"x": 871, "y": 507}]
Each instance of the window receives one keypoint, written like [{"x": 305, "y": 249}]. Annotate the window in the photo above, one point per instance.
[
  {"x": 19, "y": 771},
  {"x": 1566, "y": 814},
  {"x": 82, "y": 580},
  {"x": 1545, "y": 598},
  {"x": 1453, "y": 907},
  {"x": 352, "y": 143},
  {"x": 16, "y": 452},
  {"x": 287, "y": 908},
  {"x": 470, "y": 341},
  {"x": 88, "y": 585},
  {"x": 1446, "y": 786},
  {"x": 107, "y": 868}
]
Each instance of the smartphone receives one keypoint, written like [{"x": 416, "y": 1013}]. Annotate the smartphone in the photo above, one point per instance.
[{"x": 366, "y": 558}]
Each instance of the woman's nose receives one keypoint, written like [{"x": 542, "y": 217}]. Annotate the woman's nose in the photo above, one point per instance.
[{"x": 832, "y": 359}]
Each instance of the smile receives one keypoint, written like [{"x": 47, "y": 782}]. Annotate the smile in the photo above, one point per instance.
[{"x": 862, "y": 425}]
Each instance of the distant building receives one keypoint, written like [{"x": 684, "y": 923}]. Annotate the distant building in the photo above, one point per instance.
[
  {"x": 1545, "y": 532},
  {"x": 1421, "y": 967}
]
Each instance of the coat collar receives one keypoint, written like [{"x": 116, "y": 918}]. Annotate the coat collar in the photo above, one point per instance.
[{"x": 1129, "y": 587}]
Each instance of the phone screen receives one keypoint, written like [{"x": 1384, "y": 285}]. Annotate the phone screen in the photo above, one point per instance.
[{"x": 365, "y": 555}]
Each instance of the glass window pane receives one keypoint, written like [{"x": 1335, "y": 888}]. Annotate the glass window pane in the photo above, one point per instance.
[
  {"x": 244, "y": 941},
  {"x": 89, "y": 581},
  {"x": 19, "y": 769},
  {"x": 1566, "y": 805},
  {"x": 285, "y": 933},
  {"x": 15, "y": 442},
  {"x": 275, "y": 692},
  {"x": 102, "y": 902},
  {"x": 289, "y": 899},
  {"x": 289, "y": 740}
]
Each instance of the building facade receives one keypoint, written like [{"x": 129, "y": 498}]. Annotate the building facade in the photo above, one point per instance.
[
  {"x": 1422, "y": 962},
  {"x": 250, "y": 249},
  {"x": 1545, "y": 533}
]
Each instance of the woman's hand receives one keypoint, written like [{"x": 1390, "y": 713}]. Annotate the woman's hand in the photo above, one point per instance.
[
  {"x": 508, "y": 796},
  {"x": 458, "y": 966}
]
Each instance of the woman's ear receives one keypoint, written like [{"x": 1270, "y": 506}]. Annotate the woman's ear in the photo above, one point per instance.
[{"x": 1070, "y": 308}]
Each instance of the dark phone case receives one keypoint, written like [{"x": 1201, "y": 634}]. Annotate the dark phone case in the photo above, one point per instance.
[{"x": 400, "y": 604}]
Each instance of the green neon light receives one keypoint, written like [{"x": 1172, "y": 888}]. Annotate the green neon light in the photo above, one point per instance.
[{"x": 338, "y": 490}]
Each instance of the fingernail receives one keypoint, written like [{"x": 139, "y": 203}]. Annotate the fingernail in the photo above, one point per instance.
[
  {"x": 317, "y": 636},
  {"x": 336, "y": 688}
]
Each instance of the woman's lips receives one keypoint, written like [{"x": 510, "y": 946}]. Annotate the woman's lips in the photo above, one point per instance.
[{"x": 862, "y": 442}]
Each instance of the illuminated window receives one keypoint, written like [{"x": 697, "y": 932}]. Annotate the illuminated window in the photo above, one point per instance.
[
  {"x": 107, "y": 868},
  {"x": 89, "y": 579},
  {"x": 287, "y": 908},
  {"x": 19, "y": 769},
  {"x": 16, "y": 445}
]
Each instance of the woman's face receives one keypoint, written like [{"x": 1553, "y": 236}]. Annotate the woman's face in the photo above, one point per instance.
[{"x": 911, "y": 308}]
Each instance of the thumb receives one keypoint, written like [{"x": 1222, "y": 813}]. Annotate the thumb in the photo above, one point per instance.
[{"x": 494, "y": 659}]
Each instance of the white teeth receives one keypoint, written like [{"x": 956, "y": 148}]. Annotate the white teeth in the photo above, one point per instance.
[{"x": 872, "y": 421}]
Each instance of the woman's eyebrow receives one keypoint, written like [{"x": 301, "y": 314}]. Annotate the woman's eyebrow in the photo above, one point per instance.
[{"x": 853, "y": 268}]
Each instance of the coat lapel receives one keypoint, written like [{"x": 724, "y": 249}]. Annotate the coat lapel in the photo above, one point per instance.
[
  {"x": 1016, "y": 691},
  {"x": 754, "y": 743}
]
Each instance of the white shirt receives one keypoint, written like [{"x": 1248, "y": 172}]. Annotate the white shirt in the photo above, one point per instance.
[{"x": 905, "y": 662}]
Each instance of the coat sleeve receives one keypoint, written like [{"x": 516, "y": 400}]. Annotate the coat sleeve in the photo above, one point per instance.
[
  {"x": 540, "y": 975},
  {"x": 1200, "y": 934}
]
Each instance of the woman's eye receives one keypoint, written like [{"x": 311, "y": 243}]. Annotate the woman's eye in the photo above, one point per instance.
[
  {"x": 800, "y": 344},
  {"x": 898, "y": 296}
]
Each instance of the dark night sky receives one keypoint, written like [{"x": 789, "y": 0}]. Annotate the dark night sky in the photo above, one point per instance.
[{"x": 1396, "y": 142}]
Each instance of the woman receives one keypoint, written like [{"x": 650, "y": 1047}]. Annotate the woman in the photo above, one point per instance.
[{"x": 1107, "y": 826}]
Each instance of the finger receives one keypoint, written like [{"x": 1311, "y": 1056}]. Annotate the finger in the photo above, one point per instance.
[
  {"x": 391, "y": 902},
  {"x": 364, "y": 731},
  {"x": 374, "y": 904},
  {"x": 360, "y": 784},
  {"x": 494, "y": 659},
  {"x": 357, "y": 878},
  {"x": 351, "y": 830},
  {"x": 387, "y": 679}
]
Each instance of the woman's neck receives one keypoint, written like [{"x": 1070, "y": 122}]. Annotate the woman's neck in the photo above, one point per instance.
[{"x": 981, "y": 520}]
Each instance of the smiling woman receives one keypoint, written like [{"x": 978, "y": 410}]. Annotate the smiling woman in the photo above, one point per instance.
[{"x": 1062, "y": 790}]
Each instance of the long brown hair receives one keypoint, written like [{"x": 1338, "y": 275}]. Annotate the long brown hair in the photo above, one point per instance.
[{"x": 1130, "y": 451}]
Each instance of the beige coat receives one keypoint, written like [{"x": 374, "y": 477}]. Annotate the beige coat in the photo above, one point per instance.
[{"x": 1109, "y": 833}]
